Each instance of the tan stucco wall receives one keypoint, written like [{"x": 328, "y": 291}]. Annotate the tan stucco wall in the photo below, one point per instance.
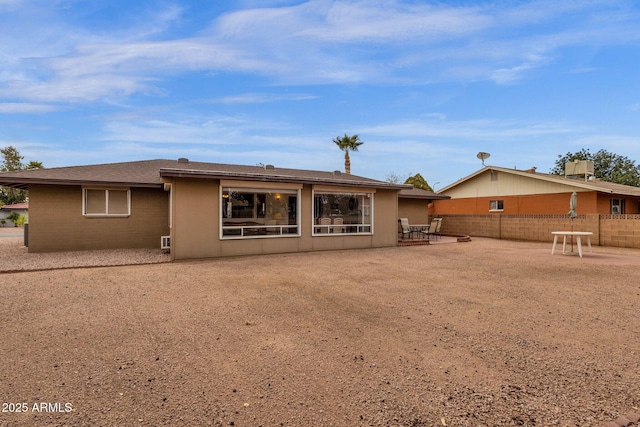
[
  {"x": 413, "y": 209},
  {"x": 56, "y": 222},
  {"x": 196, "y": 225}
]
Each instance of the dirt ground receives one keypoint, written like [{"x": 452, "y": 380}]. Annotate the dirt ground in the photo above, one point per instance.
[{"x": 485, "y": 333}]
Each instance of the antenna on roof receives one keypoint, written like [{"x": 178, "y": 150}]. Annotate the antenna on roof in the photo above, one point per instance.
[{"x": 483, "y": 156}]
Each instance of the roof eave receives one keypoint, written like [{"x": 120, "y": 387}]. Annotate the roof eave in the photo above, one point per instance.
[
  {"x": 248, "y": 176},
  {"x": 23, "y": 183},
  {"x": 428, "y": 197}
]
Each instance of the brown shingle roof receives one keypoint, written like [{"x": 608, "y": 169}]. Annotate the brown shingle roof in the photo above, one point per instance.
[
  {"x": 417, "y": 193},
  {"x": 149, "y": 173}
]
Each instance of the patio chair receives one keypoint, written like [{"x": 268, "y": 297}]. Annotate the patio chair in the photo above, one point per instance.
[
  {"x": 338, "y": 221},
  {"x": 325, "y": 221},
  {"x": 406, "y": 228},
  {"x": 434, "y": 228}
]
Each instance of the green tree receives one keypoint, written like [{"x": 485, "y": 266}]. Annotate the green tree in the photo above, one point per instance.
[
  {"x": 607, "y": 166},
  {"x": 418, "y": 182},
  {"x": 12, "y": 161},
  {"x": 348, "y": 143}
]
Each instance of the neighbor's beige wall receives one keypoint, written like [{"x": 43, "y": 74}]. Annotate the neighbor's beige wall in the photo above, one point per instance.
[
  {"x": 506, "y": 184},
  {"x": 196, "y": 225},
  {"x": 56, "y": 222}
]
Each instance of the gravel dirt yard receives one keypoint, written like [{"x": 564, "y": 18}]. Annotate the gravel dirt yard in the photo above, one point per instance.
[{"x": 485, "y": 333}]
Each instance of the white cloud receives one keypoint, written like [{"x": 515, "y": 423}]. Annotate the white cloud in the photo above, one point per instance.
[
  {"x": 262, "y": 98},
  {"x": 16, "y": 108}
]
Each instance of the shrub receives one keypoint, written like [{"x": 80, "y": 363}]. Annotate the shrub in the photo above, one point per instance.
[
  {"x": 22, "y": 219},
  {"x": 13, "y": 217}
]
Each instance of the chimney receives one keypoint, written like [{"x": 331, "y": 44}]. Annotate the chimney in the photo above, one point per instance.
[{"x": 531, "y": 170}]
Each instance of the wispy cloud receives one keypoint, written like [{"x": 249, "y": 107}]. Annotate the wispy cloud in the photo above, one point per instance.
[
  {"x": 17, "y": 108},
  {"x": 262, "y": 98},
  {"x": 322, "y": 42},
  {"x": 489, "y": 130}
]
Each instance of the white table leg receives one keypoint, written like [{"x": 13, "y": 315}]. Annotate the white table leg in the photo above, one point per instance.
[
  {"x": 555, "y": 240},
  {"x": 564, "y": 243},
  {"x": 579, "y": 246},
  {"x": 589, "y": 243}
]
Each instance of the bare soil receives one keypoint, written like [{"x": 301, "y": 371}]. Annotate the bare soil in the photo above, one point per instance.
[{"x": 485, "y": 333}]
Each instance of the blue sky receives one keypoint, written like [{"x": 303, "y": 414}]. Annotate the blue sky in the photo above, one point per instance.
[{"x": 426, "y": 84}]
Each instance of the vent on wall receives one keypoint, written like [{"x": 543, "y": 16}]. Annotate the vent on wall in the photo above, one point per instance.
[{"x": 165, "y": 242}]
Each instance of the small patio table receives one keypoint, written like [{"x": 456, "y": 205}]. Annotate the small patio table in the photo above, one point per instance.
[
  {"x": 419, "y": 228},
  {"x": 578, "y": 235}
]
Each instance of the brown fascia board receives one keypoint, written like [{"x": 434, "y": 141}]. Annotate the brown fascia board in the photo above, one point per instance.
[
  {"x": 23, "y": 183},
  {"x": 193, "y": 173},
  {"x": 433, "y": 196}
]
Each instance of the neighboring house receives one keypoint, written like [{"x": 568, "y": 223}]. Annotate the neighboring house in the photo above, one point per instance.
[
  {"x": 7, "y": 210},
  {"x": 413, "y": 204},
  {"x": 206, "y": 209},
  {"x": 527, "y": 192}
]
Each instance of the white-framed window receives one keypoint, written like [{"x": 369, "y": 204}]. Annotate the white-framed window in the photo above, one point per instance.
[
  {"x": 342, "y": 213},
  {"x": 496, "y": 205},
  {"x": 259, "y": 212},
  {"x": 617, "y": 206},
  {"x": 115, "y": 202}
]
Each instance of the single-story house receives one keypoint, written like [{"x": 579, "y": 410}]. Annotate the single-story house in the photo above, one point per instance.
[
  {"x": 205, "y": 210},
  {"x": 527, "y": 192},
  {"x": 7, "y": 210}
]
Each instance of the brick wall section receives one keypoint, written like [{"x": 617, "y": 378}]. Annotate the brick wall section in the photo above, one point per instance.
[
  {"x": 56, "y": 222},
  {"x": 620, "y": 230},
  {"x": 608, "y": 230}
]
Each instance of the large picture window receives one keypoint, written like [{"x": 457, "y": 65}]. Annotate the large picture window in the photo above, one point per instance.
[
  {"x": 342, "y": 213},
  {"x": 106, "y": 202},
  {"x": 259, "y": 213}
]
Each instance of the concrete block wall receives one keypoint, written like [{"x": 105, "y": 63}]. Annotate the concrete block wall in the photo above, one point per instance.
[
  {"x": 472, "y": 225},
  {"x": 608, "y": 230},
  {"x": 620, "y": 230}
]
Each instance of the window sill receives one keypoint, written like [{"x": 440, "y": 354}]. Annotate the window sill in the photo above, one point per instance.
[
  {"x": 105, "y": 216},
  {"x": 496, "y": 210},
  {"x": 260, "y": 236}
]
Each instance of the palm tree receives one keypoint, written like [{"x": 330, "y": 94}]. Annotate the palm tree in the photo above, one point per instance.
[{"x": 347, "y": 143}]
